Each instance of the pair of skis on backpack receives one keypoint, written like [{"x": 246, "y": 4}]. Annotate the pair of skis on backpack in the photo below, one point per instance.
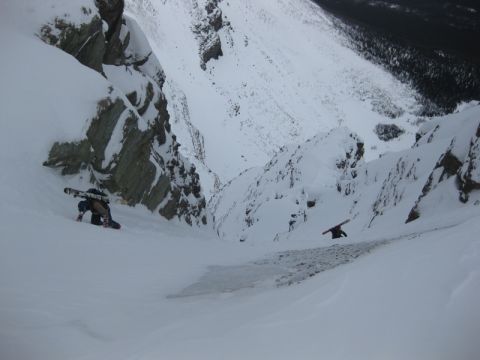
[
  {"x": 336, "y": 226},
  {"x": 86, "y": 194}
]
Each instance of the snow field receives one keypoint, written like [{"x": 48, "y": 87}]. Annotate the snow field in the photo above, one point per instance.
[
  {"x": 71, "y": 290},
  {"x": 106, "y": 295},
  {"x": 284, "y": 76}
]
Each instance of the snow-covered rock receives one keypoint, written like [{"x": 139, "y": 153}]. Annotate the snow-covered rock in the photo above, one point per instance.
[
  {"x": 128, "y": 146},
  {"x": 387, "y": 132},
  {"x": 209, "y": 22},
  {"x": 455, "y": 175},
  {"x": 324, "y": 181},
  {"x": 469, "y": 174}
]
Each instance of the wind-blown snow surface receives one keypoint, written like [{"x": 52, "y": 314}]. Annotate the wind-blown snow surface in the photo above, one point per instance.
[
  {"x": 71, "y": 290},
  {"x": 285, "y": 75}
]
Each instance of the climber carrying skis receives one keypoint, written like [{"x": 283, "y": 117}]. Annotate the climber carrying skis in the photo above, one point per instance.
[
  {"x": 97, "y": 203},
  {"x": 337, "y": 231}
]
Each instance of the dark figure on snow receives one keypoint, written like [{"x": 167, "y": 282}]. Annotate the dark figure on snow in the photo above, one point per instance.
[
  {"x": 337, "y": 232},
  {"x": 100, "y": 211}
]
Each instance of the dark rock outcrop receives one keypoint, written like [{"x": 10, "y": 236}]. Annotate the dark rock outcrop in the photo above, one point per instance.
[
  {"x": 446, "y": 167},
  {"x": 86, "y": 42},
  {"x": 112, "y": 12},
  {"x": 453, "y": 163},
  {"x": 214, "y": 14},
  {"x": 211, "y": 48},
  {"x": 469, "y": 174},
  {"x": 205, "y": 29},
  {"x": 387, "y": 132}
]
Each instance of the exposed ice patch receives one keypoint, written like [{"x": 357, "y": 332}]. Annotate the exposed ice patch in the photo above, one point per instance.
[
  {"x": 225, "y": 279},
  {"x": 281, "y": 269},
  {"x": 303, "y": 264}
]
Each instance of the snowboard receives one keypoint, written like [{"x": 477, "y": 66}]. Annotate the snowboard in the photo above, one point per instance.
[
  {"x": 342, "y": 223},
  {"x": 85, "y": 194}
]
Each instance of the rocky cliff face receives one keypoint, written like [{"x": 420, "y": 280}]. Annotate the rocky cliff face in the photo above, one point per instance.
[
  {"x": 469, "y": 173},
  {"x": 128, "y": 147},
  {"x": 208, "y": 22},
  {"x": 325, "y": 181},
  {"x": 457, "y": 169}
]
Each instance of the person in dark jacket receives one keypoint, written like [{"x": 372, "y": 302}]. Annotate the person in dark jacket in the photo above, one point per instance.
[
  {"x": 337, "y": 232},
  {"x": 101, "y": 214}
]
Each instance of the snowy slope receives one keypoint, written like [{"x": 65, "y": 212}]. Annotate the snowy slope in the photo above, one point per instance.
[
  {"x": 284, "y": 75},
  {"x": 265, "y": 201},
  {"x": 71, "y": 290},
  {"x": 75, "y": 291},
  {"x": 118, "y": 136},
  {"x": 310, "y": 187}
]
